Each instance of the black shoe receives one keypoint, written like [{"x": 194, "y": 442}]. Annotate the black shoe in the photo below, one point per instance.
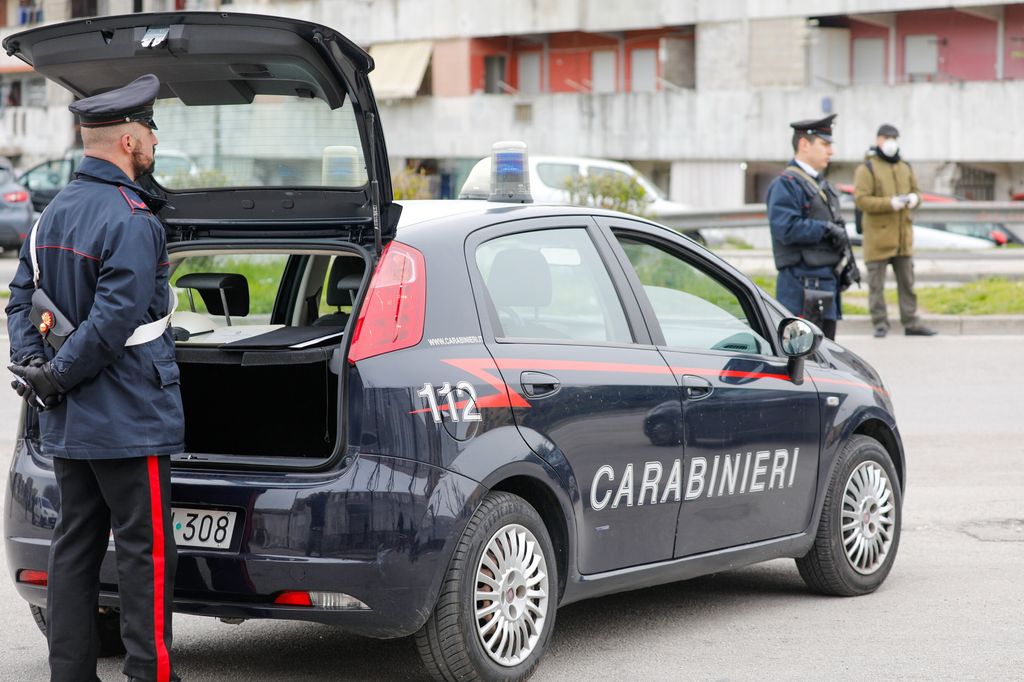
[
  {"x": 919, "y": 331},
  {"x": 881, "y": 331}
]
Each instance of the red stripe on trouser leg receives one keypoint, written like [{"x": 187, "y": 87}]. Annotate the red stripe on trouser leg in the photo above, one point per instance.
[{"x": 163, "y": 660}]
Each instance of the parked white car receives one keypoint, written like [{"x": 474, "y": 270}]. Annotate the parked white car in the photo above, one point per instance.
[{"x": 549, "y": 176}]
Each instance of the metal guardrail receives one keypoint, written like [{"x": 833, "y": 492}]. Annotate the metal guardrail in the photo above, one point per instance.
[{"x": 756, "y": 215}]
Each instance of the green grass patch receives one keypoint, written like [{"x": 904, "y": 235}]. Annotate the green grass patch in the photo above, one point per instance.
[
  {"x": 989, "y": 296},
  {"x": 263, "y": 272},
  {"x": 766, "y": 282}
]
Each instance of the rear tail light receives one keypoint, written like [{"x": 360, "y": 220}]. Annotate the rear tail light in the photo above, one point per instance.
[
  {"x": 18, "y": 197},
  {"x": 32, "y": 577},
  {"x": 337, "y": 601},
  {"x": 294, "y": 599},
  {"x": 391, "y": 317},
  {"x": 999, "y": 237}
]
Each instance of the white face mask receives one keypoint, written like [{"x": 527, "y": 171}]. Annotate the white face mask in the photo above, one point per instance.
[{"x": 890, "y": 147}]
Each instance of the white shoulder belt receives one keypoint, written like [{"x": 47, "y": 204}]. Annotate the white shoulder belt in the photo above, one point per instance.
[{"x": 144, "y": 333}]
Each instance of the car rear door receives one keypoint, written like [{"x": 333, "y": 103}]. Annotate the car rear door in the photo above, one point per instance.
[
  {"x": 583, "y": 380},
  {"x": 750, "y": 435}
]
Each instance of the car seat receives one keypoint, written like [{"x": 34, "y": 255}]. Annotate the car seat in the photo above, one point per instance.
[
  {"x": 342, "y": 287},
  {"x": 521, "y": 278}
]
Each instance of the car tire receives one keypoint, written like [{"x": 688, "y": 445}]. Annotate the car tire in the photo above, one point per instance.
[
  {"x": 108, "y": 625},
  {"x": 864, "y": 493},
  {"x": 506, "y": 550}
]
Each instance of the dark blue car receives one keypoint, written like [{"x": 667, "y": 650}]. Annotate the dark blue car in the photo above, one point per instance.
[{"x": 446, "y": 419}]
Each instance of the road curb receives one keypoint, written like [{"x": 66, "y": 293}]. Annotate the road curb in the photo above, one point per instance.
[{"x": 955, "y": 325}]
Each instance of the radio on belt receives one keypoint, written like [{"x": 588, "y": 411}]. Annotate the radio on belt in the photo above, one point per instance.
[{"x": 510, "y": 173}]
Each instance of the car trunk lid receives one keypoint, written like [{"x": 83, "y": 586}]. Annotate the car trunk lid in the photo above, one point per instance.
[{"x": 207, "y": 59}]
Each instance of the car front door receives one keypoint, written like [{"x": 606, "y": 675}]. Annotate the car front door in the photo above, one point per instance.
[
  {"x": 750, "y": 435},
  {"x": 584, "y": 380}
]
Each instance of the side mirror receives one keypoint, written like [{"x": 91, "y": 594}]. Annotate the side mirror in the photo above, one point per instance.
[
  {"x": 224, "y": 294},
  {"x": 798, "y": 339}
]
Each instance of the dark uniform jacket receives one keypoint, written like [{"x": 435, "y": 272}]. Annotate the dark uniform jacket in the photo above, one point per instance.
[
  {"x": 103, "y": 261},
  {"x": 799, "y": 210}
]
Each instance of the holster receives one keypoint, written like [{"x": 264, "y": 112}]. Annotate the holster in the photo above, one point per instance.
[
  {"x": 48, "y": 319},
  {"x": 816, "y": 302}
]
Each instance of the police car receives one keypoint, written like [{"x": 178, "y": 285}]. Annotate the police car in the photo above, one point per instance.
[{"x": 447, "y": 419}]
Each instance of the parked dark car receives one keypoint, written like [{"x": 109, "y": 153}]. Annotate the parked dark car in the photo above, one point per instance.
[
  {"x": 15, "y": 209},
  {"x": 440, "y": 418}
]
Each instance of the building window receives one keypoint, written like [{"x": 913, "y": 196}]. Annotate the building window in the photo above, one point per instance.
[
  {"x": 529, "y": 73},
  {"x": 678, "y": 61},
  {"x": 35, "y": 92},
  {"x": 976, "y": 184},
  {"x": 30, "y": 12},
  {"x": 494, "y": 74},
  {"x": 921, "y": 57},
  {"x": 868, "y": 61},
  {"x": 83, "y": 8},
  {"x": 643, "y": 70},
  {"x": 602, "y": 68}
]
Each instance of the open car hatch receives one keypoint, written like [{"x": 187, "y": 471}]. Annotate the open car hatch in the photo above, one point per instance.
[{"x": 213, "y": 65}]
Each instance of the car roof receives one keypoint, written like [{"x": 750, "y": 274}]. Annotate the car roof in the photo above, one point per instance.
[
  {"x": 419, "y": 211},
  {"x": 582, "y": 160}
]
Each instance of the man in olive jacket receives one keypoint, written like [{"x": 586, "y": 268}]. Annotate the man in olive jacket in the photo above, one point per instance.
[{"x": 886, "y": 191}]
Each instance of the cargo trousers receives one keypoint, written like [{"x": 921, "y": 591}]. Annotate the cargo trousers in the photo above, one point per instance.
[{"x": 903, "y": 268}]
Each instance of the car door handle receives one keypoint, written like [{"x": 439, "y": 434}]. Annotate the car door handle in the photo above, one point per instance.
[
  {"x": 696, "y": 388},
  {"x": 538, "y": 384}
]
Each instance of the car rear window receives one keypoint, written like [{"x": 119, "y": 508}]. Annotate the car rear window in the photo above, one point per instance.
[{"x": 274, "y": 141}]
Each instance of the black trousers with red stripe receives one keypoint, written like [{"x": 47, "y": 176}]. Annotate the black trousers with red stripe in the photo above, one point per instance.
[{"x": 132, "y": 498}]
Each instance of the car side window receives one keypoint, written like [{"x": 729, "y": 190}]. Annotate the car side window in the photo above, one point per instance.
[
  {"x": 552, "y": 285},
  {"x": 48, "y": 176},
  {"x": 557, "y": 175},
  {"x": 603, "y": 172},
  {"x": 694, "y": 308}
]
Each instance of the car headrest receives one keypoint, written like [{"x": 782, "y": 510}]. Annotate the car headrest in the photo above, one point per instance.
[
  {"x": 345, "y": 278},
  {"x": 520, "y": 277},
  {"x": 210, "y": 285}
]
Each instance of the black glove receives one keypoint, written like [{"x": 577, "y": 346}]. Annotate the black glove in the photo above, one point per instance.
[
  {"x": 21, "y": 386},
  {"x": 39, "y": 382},
  {"x": 835, "y": 234}
]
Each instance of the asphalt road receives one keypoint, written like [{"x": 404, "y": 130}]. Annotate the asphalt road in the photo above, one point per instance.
[{"x": 951, "y": 608}]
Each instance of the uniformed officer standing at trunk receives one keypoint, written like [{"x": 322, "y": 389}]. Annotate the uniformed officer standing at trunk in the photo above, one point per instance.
[
  {"x": 107, "y": 392},
  {"x": 809, "y": 242}
]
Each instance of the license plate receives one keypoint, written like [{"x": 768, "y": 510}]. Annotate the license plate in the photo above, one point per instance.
[{"x": 208, "y": 528}]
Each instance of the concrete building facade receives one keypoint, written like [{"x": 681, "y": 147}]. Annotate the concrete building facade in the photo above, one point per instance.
[{"x": 696, "y": 94}]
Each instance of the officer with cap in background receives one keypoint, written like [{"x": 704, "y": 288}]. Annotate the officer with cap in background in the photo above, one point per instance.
[
  {"x": 809, "y": 242},
  {"x": 92, "y": 352},
  {"x": 885, "y": 189}
]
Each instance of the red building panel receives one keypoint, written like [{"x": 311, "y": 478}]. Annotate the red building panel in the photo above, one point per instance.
[
  {"x": 569, "y": 67},
  {"x": 1014, "y": 55},
  {"x": 859, "y": 30},
  {"x": 967, "y": 43}
]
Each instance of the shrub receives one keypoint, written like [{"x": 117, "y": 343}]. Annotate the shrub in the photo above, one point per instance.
[{"x": 614, "y": 192}]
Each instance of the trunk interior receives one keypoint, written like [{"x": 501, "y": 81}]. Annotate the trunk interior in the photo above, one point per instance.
[
  {"x": 280, "y": 404},
  {"x": 259, "y": 341}
]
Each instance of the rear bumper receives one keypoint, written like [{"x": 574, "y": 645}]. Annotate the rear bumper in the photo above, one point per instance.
[{"x": 390, "y": 527}]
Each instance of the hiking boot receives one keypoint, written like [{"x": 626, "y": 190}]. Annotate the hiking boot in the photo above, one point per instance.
[{"x": 881, "y": 331}]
